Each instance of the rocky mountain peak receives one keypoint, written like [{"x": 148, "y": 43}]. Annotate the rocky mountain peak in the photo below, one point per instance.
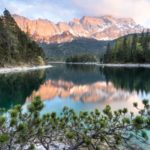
[
  {"x": 76, "y": 20},
  {"x": 101, "y": 28}
]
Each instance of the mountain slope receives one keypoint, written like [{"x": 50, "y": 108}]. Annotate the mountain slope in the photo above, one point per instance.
[
  {"x": 16, "y": 48},
  {"x": 100, "y": 28},
  {"x": 76, "y": 47}
]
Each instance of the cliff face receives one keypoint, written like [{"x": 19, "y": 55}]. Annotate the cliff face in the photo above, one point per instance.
[{"x": 100, "y": 28}]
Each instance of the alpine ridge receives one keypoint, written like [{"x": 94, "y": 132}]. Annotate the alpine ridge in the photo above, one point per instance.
[{"x": 99, "y": 28}]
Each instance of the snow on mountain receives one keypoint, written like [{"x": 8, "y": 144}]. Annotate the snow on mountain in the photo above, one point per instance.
[{"x": 100, "y": 28}]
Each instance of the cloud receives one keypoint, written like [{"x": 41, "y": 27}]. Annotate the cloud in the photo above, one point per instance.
[
  {"x": 64, "y": 10},
  {"x": 137, "y": 9},
  {"x": 49, "y": 9}
]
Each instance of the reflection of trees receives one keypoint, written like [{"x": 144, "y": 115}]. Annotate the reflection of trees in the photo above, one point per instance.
[
  {"x": 14, "y": 88},
  {"x": 129, "y": 78},
  {"x": 125, "y": 78},
  {"x": 82, "y": 68},
  {"x": 78, "y": 74}
]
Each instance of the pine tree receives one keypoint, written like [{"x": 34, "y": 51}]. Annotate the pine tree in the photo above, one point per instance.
[
  {"x": 15, "y": 46},
  {"x": 125, "y": 50},
  {"x": 133, "y": 48},
  {"x": 142, "y": 38},
  {"x": 107, "y": 56}
]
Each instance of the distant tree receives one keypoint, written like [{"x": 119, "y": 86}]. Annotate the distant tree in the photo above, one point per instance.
[
  {"x": 142, "y": 37},
  {"x": 133, "y": 48},
  {"x": 108, "y": 52},
  {"x": 81, "y": 58},
  {"x": 125, "y": 50}
]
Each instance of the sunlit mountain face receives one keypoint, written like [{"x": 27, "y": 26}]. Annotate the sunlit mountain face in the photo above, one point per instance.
[{"x": 100, "y": 28}]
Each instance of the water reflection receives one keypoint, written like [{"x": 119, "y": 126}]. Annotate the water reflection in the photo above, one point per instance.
[
  {"x": 131, "y": 79},
  {"x": 78, "y": 74},
  {"x": 88, "y": 96},
  {"x": 82, "y": 87},
  {"x": 14, "y": 88},
  {"x": 98, "y": 91},
  {"x": 86, "y": 88}
]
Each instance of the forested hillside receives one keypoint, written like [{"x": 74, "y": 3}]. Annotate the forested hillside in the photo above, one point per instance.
[
  {"x": 16, "y": 48},
  {"x": 76, "y": 47},
  {"x": 129, "y": 49}
]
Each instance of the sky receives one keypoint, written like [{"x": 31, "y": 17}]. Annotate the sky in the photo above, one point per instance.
[{"x": 65, "y": 10}]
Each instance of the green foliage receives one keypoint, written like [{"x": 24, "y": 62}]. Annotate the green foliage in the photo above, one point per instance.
[
  {"x": 92, "y": 130},
  {"x": 129, "y": 49},
  {"x": 138, "y": 121},
  {"x": 16, "y": 48},
  {"x": 3, "y": 138}
]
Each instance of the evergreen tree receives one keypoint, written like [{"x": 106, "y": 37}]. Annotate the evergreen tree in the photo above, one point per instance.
[
  {"x": 93, "y": 130},
  {"x": 107, "y": 57},
  {"x": 142, "y": 38},
  {"x": 133, "y": 48},
  {"x": 130, "y": 49},
  {"x": 16, "y": 48},
  {"x": 125, "y": 50}
]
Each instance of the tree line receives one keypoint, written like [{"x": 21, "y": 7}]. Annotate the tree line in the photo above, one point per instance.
[
  {"x": 129, "y": 49},
  {"x": 81, "y": 58}
]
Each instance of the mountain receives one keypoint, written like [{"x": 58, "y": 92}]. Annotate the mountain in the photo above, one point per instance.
[
  {"x": 61, "y": 51},
  {"x": 99, "y": 28},
  {"x": 16, "y": 48}
]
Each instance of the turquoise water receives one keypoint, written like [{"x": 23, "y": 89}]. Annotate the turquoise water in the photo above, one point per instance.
[{"x": 81, "y": 87}]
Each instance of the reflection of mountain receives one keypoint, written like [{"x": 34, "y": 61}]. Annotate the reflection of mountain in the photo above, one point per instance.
[
  {"x": 14, "y": 88},
  {"x": 98, "y": 91},
  {"x": 131, "y": 79},
  {"x": 82, "y": 84},
  {"x": 84, "y": 87}
]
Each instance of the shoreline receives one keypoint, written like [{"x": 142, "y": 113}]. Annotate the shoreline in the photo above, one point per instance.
[
  {"x": 128, "y": 65},
  {"x": 22, "y": 69},
  {"x": 125, "y": 65}
]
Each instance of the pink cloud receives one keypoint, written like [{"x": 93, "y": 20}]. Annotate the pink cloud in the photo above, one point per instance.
[{"x": 136, "y": 9}]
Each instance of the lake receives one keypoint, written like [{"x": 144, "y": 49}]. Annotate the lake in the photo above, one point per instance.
[{"x": 81, "y": 87}]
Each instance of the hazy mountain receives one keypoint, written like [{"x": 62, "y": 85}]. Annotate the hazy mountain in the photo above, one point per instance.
[{"x": 99, "y": 28}]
